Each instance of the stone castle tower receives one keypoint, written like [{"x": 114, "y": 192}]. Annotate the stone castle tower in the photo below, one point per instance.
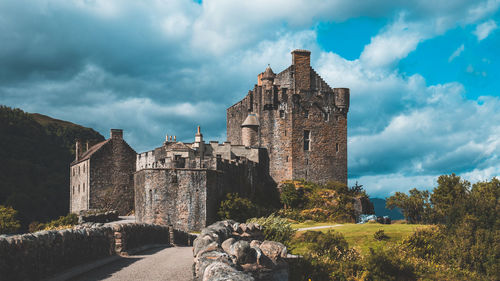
[{"x": 299, "y": 119}]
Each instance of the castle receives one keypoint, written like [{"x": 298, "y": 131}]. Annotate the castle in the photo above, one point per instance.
[{"x": 291, "y": 125}]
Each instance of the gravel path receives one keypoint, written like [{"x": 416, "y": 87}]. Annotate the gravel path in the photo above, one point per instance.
[
  {"x": 172, "y": 263},
  {"x": 318, "y": 227}
]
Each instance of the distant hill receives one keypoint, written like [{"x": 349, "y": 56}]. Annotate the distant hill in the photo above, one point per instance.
[
  {"x": 35, "y": 152},
  {"x": 380, "y": 210}
]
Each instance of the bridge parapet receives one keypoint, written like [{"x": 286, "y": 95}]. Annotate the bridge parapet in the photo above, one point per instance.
[{"x": 34, "y": 256}]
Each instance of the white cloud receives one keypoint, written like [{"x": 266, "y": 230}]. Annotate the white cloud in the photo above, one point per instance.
[
  {"x": 485, "y": 29},
  {"x": 456, "y": 53}
]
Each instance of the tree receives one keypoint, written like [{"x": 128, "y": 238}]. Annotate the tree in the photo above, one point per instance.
[
  {"x": 449, "y": 198},
  {"x": 236, "y": 208},
  {"x": 416, "y": 207},
  {"x": 290, "y": 196},
  {"x": 8, "y": 221}
]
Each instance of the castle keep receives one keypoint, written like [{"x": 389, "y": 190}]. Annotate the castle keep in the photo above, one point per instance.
[
  {"x": 291, "y": 125},
  {"x": 299, "y": 119}
]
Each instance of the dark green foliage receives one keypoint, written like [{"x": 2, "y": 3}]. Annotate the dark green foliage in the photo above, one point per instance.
[
  {"x": 380, "y": 235},
  {"x": 275, "y": 228},
  {"x": 36, "y": 151},
  {"x": 330, "y": 244},
  {"x": 328, "y": 258},
  {"x": 8, "y": 220},
  {"x": 449, "y": 198},
  {"x": 290, "y": 196},
  {"x": 416, "y": 207},
  {"x": 387, "y": 264},
  {"x": 236, "y": 208},
  {"x": 333, "y": 201},
  {"x": 468, "y": 238}
]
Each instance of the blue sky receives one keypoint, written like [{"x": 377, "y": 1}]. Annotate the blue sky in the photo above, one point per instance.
[{"x": 425, "y": 97}]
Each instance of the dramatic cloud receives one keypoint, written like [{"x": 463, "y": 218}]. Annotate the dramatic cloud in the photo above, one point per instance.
[
  {"x": 163, "y": 67},
  {"x": 483, "y": 30}
]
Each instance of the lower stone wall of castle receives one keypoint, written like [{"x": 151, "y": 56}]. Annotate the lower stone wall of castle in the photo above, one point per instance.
[
  {"x": 35, "y": 256},
  {"x": 171, "y": 197}
]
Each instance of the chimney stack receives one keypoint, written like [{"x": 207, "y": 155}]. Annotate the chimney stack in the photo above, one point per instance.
[
  {"x": 116, "y": 134},
  {"x": 78, "y": 149},
  {"x": 301, "y": 60}
]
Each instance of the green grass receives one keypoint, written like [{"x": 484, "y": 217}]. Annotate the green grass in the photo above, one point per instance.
[
  {"x": 360, "y": 236},
  {"x": 311, "y": 224}
]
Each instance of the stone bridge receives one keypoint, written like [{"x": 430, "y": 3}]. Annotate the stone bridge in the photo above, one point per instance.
[{"x": 143, "y": 252}]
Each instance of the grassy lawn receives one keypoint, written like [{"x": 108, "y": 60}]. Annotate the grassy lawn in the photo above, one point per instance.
[
  {"x": 361, "y": 235},
  {"x": 311, "y": 224}
]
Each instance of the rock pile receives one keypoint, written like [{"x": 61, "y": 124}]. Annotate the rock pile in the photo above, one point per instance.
[{"x": 228, "y": 250}]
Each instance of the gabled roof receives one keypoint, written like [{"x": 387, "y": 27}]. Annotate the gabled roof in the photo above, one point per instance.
[
  {"x": 177, "y": 146},
  {"x": 87, "y": 154}
]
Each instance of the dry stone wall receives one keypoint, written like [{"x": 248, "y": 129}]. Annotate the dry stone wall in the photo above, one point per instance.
[
  {"x": 227, "y": 250},
  {"x": 35, "y": 256}
]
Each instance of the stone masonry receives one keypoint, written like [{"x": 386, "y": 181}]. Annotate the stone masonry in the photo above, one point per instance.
[
  {"x": 102, "y": 176},
  {"x": 300, "y": 120}
]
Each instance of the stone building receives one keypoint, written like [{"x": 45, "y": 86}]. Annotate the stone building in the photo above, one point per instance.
[
  {"x": 291, "y": 125},
  {"x": 299, "y": 119},
  {"x": 101, "y": 177},
  {"x": 182, "y": 184}
]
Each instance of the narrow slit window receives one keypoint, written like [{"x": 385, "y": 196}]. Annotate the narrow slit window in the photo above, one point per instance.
[
  {"x": 337, "y": 147},
  {"x": 307, "y": 140},
  {"x": 306, "y": 113}
]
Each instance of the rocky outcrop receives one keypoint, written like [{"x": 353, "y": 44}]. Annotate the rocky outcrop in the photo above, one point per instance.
[{"x": 228, "y": 250}]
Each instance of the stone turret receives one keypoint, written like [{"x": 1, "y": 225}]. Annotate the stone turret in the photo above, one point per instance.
[
  {"x": 250, "y": 130},
  {"x": 342, "y": 99}
]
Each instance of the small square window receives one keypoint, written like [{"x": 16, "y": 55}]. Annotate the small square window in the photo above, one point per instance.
[
  {"x": 282, "y": 114},
  {"x": 306, "y": 113}
]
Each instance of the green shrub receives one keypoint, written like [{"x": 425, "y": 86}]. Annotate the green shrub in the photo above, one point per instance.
[
  {"x": 8, "y": 220},
  {"x": 380, "y": 235},
  {"x": 309, "y": 236},
  {"x": 290, "y": 196},
  {"x": 62, "y": 222},
  {"x": 236, "y": 208},
  {"x": 387, "y": 264},
  {"x": 276, "y": 228},
  {"x": 330, "y": 244}
]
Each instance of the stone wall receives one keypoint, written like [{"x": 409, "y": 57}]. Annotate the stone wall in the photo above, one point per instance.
[
  {"x": 79, "y": 186},
  {"x": 189, "y": 199},
  {"x": 37, "y": 255},
  {"x": 171, "y": 197},
  {"x": 41, "y": 254},
  {"x": 227, "y": 250},
  {"x": 111, "y": 177}
]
